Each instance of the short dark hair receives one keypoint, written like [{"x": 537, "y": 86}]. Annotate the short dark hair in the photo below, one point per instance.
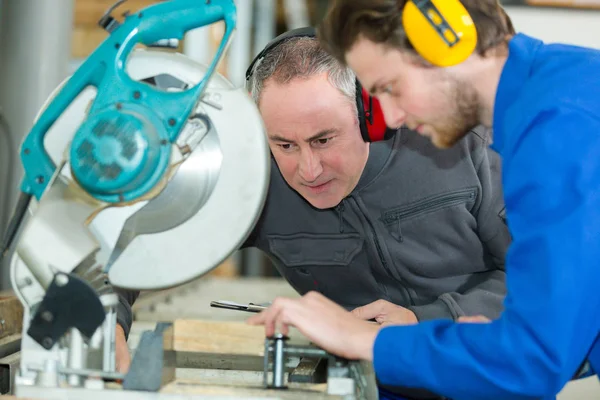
[
  {"x": 301, "y": 57},
  {"x": 380, "y": 21}
]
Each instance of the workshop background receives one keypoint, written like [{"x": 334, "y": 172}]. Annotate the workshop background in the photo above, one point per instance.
[{"x": 43, "y": 41}]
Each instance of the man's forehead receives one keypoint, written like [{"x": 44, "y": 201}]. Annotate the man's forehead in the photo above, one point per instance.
[
  {"x": 364, "y": 58},
  {"x": 374, "y": 63}
]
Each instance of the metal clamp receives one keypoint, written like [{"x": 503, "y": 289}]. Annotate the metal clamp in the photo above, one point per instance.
[
  {"x": 276, "y": 352},
  {"x": 352, "y": 379}
]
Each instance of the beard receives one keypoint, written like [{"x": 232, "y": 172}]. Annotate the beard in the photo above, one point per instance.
[{"x": 464, "y": 115}]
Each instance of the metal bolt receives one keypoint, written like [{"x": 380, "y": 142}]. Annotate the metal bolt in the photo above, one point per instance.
[
  {"x": 39, "y": 179},
  {"x": 23, "y": 283},
  {"x": 47, "y": 342},
  {"x": 171, "y": 121},
  {"x": 61, "y": 280},
  {"x": 27, "y": 151},
  {"x": 136, "y": 94},
  {"x": 47, "y": 316},
  {"x": 119, "y": 106}
]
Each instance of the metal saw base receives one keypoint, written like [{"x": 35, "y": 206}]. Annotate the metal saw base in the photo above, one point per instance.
[{"x": 212, "y": 360}]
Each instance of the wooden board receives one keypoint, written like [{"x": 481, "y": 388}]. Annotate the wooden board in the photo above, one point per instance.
[
  {"x": 221, "y": 345},
  {"x": 87, "y": 13},
  {"x": 235, "y": 338},
  {"x": 87, "y": 34},
  {"x": 11, "y": 316}
]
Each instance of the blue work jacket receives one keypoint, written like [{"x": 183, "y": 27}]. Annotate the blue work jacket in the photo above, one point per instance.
[{"x": 547, "y": 130}]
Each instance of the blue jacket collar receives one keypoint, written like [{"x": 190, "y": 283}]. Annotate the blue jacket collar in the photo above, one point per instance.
[{"x": 515, "y": 73}]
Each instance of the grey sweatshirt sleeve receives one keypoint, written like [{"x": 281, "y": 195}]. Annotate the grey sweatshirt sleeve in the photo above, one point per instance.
[
  {"x": 486, "y": 295},
  {"x": 484, "y": 299},
  {"x": 124, "y": 313}
]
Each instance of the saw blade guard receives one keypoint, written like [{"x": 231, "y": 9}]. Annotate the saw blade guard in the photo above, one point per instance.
[{"x": 217, "y": 182}]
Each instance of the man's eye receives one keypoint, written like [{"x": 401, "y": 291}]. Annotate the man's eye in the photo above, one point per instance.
[
  {"x": 285, "y": 146},
  {"x": 387, "y": 89},
  {"x": 321, "y": 142}
]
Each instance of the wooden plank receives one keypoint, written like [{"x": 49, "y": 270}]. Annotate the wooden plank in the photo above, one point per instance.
[
  {"x": 231, "y": 338},
  {"x": 11, "y": 316},
  {"x": 87, "y": 13},
  {"x": 169, "y": 359},
  {"x": 85, "y": 40},
  {"x": 228, "y": 269},
  {"x": 222, "y": 345}
]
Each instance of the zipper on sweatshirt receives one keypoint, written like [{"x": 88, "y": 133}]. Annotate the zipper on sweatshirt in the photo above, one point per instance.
[
  {"x": 387, "y": 269},
  {"x": 431, "y": 204},
  {"x": 340, "y": 209},
  {"x": 377, "y": 245}
]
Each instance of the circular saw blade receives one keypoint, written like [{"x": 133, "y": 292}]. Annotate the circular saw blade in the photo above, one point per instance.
[
  {"x": 215, "y": 197},
  {"x": 211, "y": 203}
]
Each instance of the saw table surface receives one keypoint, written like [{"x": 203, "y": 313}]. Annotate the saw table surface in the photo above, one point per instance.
[{"x": 193, "y": 302}]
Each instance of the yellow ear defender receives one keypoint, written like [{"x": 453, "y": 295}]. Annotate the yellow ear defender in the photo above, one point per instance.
[{"x": 441, "y": 31}]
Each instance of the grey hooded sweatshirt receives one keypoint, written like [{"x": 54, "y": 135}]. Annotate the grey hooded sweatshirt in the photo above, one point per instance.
[{"x": 424, "y": 228}]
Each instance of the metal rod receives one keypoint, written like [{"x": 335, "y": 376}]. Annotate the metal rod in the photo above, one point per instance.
[
  {"x": 278, "y": 362},
  {"x": 76, "y": 356},
  {"x": 266, "y": 361},
  {"x": 109, "y": 358},
  {"x": 305, "y": 351}
]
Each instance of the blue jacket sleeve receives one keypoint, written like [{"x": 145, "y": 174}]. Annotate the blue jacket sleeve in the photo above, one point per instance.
[{"x": 552, "y": 309}]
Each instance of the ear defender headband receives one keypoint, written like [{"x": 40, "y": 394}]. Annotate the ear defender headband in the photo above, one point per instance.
[
  {"x": 370, "y": 116},
  {"x": 441, "y": 31}
]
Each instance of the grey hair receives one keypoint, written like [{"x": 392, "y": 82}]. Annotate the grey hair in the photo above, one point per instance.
[{"x": 301, "y": 57}]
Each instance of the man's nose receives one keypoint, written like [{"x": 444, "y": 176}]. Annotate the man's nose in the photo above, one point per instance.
[
  {"x": 310, "y": 166},
  {"x": 394, "y": 116}
]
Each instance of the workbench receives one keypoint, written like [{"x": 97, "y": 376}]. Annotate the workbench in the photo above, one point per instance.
[
  {"x": 219, "y": 356},
  {"x": 193, "y": 302}
]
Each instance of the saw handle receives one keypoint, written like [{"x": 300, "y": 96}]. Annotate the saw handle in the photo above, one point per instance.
[{"x": 105, "y": 69}]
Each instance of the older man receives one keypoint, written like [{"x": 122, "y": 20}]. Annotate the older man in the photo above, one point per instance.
[{"x": 396, "y": 220}]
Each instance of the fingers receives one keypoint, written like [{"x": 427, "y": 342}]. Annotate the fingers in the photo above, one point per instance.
[
  {"x": 273, "y": 317},
  {"x": 285, "y": 312},
  {"x": 474, "y": 319},
  {"x": 370, "y": 311}
]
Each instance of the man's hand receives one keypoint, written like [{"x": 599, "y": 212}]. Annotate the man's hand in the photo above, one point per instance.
[
  {"x": 386, "y": 313},
  {"x": 476, "y": 319},
  {"x": 123, "y": 358},
  {"x": 323, "y": 322}
]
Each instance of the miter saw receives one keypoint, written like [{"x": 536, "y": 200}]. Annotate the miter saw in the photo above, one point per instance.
[{"x": 145, "y": 170}]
